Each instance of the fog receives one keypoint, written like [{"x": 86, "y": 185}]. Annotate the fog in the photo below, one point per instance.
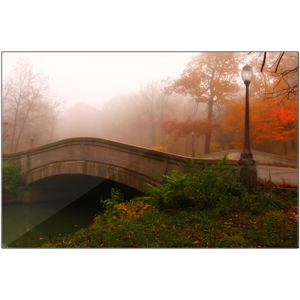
[
  {"x": 95, "y": 77},
  {"x": 112, "y": 95}
]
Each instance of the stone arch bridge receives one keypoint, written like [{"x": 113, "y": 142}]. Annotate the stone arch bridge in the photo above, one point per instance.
[
  {"x": 130, "y": 165},
  {"x": 127, "y": 164}
]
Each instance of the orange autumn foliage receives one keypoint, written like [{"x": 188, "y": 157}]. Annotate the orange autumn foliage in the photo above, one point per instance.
[
  {"x": 269, "y": 121},
  {"x": 281, "y": 121},
  {"x": 182, "y": 129}
]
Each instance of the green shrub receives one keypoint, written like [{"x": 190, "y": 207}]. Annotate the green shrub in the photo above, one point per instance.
[
  {"x": 110, "y": 205},
  {"x": 176, "y": 192},
  {"x": 215, "y": 186},
  {"x": 203, "y": 188},
  {"x": 11, "y": 177}
]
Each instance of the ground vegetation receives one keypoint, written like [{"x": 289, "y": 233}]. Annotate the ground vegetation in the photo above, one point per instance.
[{"x": 205, "y": 208}]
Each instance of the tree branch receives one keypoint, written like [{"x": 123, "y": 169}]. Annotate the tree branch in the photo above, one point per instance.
[
  {"x": 264, "y": 61},
  {"x": 279, "y": 62}
]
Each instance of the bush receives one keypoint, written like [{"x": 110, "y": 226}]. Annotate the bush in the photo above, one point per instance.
[
  {"x": 115, "y": 208},
  {"x": 215, "y": 186},
  {"x": 200, "y": 188},
  {"x": 11, "y": 177},
  {"x": 176, "y": 192}
]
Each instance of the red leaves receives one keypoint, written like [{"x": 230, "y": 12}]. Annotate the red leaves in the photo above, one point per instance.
[
  {"x": 269, "y": 121},
  {"x": 166, "y": 226},
  {"x": 153, "y": 229},
  {"x": 283, "y": 120},
  {"x": 293, "y": 214}
]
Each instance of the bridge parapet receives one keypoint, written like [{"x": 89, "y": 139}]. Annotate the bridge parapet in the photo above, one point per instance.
[{"x": 261, "y": 158}]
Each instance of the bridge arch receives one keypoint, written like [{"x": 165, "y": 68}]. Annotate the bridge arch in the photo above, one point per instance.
[{"x": 111, "y": 172}]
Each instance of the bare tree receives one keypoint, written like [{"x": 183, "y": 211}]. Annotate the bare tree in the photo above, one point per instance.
[
  {"x": 155, "y": 106},
  {"x": 28, "y": 102}
]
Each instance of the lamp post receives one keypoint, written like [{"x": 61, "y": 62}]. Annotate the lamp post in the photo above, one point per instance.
[
  {"x": 246, "y": 156},
  {"x": 31, "y": 138}
]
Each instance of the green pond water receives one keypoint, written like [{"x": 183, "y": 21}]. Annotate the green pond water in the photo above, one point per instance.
[{"x": 26, "y": 225}]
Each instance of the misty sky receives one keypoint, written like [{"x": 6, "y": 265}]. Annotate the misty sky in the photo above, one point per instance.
[{"x": 96, "y": 77}]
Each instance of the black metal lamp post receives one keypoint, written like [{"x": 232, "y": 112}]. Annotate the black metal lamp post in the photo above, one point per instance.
[{"x": 246, "y": 156}]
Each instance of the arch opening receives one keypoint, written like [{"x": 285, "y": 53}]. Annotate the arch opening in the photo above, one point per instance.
[
  {"x": 71, "y": 187},
  {"x": 127, "y": 177}
]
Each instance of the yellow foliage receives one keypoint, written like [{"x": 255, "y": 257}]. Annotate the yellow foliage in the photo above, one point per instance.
[
  {"x": 132, "y": 209},
  {"x": 123, "y": 211}
]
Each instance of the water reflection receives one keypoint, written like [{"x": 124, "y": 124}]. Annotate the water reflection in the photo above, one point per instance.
[{"x": 27, "y": 225}]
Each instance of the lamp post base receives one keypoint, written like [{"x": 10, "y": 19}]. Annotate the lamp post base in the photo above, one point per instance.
[
  {"x": 246, "y": 161},
  {"x": 248, "y": 176},
  {"x": 247, "y": 170},
  {"x": 246, "y": 158}
]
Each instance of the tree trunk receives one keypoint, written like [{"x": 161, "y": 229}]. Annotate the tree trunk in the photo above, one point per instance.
[
  {"x": 208, "y": 134},
  {"x": 14, "y": 129}
]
